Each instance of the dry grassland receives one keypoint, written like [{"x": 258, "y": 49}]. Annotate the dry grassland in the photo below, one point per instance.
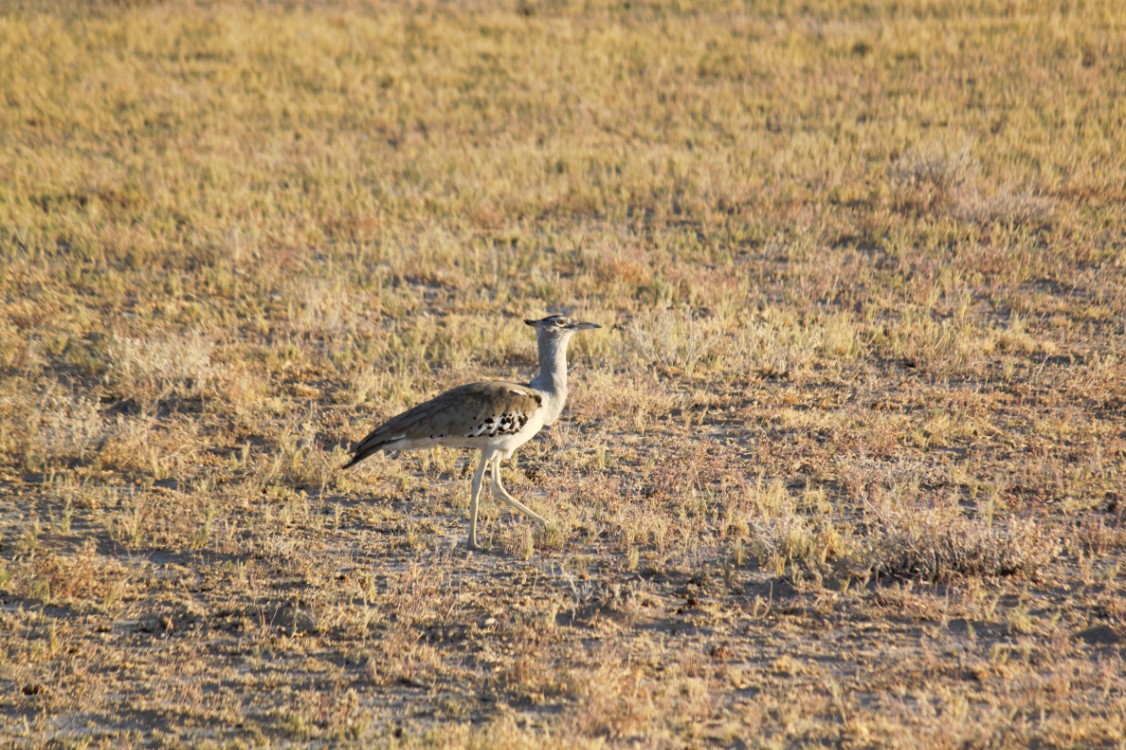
[{"x": 845, "y": 468}]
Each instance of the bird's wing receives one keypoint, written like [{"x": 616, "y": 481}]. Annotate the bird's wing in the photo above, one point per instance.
[{"x": 475, "y": 410}]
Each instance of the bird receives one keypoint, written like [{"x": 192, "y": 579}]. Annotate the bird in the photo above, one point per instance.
[{"x": 493, "y": 417}]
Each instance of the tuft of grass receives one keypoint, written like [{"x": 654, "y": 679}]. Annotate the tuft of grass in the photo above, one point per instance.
[
  {"x": 672, "y": 340},
  {"x": 69, "y": 428},
  {"x": 150, "y": 370},
  {"x": 938, "y": 546}
]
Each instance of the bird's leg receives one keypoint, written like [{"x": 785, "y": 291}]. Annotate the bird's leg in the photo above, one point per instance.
[
  {"x": 478, "y": 475},
  {"x": 503, "y": 493}
]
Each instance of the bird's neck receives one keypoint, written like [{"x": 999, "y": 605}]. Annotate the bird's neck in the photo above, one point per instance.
[{"x": 552, "y": 380}]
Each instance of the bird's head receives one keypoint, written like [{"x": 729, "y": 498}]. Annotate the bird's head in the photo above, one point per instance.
[{"x": 559, "y": 326}]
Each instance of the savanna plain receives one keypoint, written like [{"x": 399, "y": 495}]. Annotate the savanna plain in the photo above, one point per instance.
[{"x": 844, "y": 467}]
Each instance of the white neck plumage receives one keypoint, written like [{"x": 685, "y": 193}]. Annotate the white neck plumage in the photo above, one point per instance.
[{"x": 552, "y": 380}]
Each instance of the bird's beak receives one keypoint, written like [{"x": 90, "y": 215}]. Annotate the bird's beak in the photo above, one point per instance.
[
  {"x": 532, "y": 323},
  {"x": 581, "y": 326}
]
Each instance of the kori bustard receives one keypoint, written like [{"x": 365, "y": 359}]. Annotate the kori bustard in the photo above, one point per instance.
[{"x": 496, "y": 418}]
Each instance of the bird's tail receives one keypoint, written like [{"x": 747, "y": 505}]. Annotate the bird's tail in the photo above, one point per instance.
[
  {"x": 355, "y": 460},
  {"x": 358, "y": 456},
  {"x": 371, "y": 444}
]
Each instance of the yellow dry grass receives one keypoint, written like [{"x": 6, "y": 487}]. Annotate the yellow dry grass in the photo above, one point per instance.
[{"x": 845, "y": 467}]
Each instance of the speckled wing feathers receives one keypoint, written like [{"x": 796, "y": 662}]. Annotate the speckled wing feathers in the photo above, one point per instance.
[{"x": 477, "y": 410}]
